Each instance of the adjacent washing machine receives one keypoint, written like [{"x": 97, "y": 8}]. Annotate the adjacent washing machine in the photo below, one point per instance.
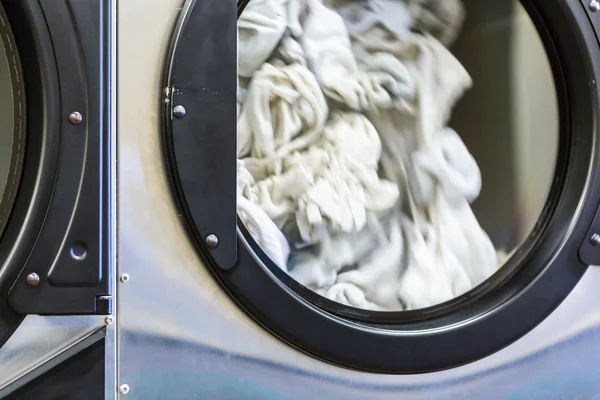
[
  {"x": 55, "y": 174},
  {"x": 358, "y": 199}
]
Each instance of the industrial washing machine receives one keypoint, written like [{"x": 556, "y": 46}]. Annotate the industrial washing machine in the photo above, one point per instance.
[
  {"x": 55, "y": 198},
  {"x": 202, "y": 312}
]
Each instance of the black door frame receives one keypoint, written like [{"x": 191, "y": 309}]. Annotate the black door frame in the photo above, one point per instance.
[{"x": 200, "y": 148}]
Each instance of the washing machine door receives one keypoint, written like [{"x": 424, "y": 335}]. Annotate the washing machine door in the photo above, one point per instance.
[
  {"x": 406, "y": 186},
  {"x": 54, "y": 184}
]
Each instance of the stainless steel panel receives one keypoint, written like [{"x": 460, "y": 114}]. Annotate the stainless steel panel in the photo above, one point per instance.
[
  {"x": 181, "y": 337},
  {"x": 110, "y": 341},
  {"x": 42, "y": 342}
]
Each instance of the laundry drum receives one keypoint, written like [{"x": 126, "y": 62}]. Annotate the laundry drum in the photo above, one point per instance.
[
  {"x": 12, "y": 120},
  {"x": 379, "y": 182},
  {"x": 393, "y": 155}
]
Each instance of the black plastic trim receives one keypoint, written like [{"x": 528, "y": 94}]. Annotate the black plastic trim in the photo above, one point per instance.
[
  {"x": 206, "y": 88},
  {"x": 66, "y": 56},
  {"x": 504, "y": 308}
]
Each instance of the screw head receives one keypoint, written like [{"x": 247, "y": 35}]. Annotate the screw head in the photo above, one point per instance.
[
  {"x": 33, "y": 279},
  {"x": 124, "y": 388},
  {"x": 75, "y": 118},
  {"x": 124, "y": 278},
  {"x": 109, "y": 320},
  {"x": 594, "y": 6},
  {"x": 595, "y": 240},
  {"x": 179, "y": 111},
  {"x": 212, "y": 241}
]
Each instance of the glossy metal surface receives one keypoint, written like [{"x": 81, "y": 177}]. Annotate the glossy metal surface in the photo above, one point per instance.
[
  {"x": 180, "y": 336},
  {"x": 110, "y": 349},
  {"x": 42, "y": 342}
]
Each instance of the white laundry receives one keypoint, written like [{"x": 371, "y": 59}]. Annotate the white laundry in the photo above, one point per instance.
[
  {"x": 260, "y": 28},
  {"x": 362, "y": 15},
  {"x": 458, "y": 229},
  {"x": 380, "y": 81},
  {"x": 374, "y": 255},
  {"x": 281, "y": 103},
  {"x": 445, "y": 163},
  {"x": 440, "y": 78},
  {"x": 404, "y": 242},
  {"x": 431, "y": 272},
  {"x": 331, "y": 186},
  {"x": 377, "y": 274},
  {"x": 443, "y": 19},
  {"x": 262, "y": 229}
]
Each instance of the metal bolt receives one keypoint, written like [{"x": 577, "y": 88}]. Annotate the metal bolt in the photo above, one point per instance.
[
  {"x": 212, "y": 241},
  {"x": 179, "y": 111},
  {"x": 109, "y": 320},
  {"x": 124, "y": 388},
  {"x": 124, "y": 278},
  {"x": 76, "y": 118},
  {"x": 595, "y": 240},
  {"x": 594, "y": 5},
  {"x": 33, "y": 279}
]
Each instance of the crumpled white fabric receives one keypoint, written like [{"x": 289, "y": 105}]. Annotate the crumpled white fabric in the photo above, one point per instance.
[
  {"x": 442, "y": 19},
  {"x": 362, "y": 15},
  {"x": 260, "y": 28},
  {"x": 404, "y": 242},
  {"x": 281, "y": 103},
  {"x": 379, "y": 81},
  {"x": 329, "y": 187},
  {"x": 375, "y": 253},
  {"x": 262, "y": 229},
  {"x": 445, "y": 163}
]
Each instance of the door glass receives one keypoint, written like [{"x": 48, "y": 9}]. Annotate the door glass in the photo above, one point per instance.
[
  {"x": 392, "y": 154},
  {"x": 12, "y": 112}
]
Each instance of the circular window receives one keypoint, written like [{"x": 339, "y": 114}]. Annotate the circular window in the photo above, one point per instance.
[
  {"x": 393, "y": 155},
  {"x": 409, "y": 176},
  {"x": 12, "y": 120}
]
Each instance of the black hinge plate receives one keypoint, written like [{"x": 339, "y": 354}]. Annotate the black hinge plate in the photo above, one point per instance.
[{"x": 71, "y": 255}]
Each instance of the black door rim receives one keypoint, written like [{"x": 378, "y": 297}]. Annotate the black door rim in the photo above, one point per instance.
[{"x": 493, "y": 315}]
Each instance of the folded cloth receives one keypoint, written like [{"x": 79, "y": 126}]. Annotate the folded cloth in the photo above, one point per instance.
[
  {"x": 442, "y": 19},
  {"x": 284, "y": 111}
]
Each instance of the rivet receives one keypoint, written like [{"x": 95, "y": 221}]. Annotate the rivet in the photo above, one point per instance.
[
  {"x": 212, "y": 241},
  {"x": 109, "y": 320},
  {"x": 595, "y": 240},
  {"x": 179, "y": 111},
  {"x": 124, "y": 278},
  {"x": 33, "y": 279},
  {"x": 594, "y": 5},
  {"x": 76, "y": 118},
  {"x": 124, "y": 388}
]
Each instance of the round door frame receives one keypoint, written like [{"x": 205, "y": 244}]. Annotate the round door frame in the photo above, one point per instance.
[
  {"x": 199, "y": 115},
  {"x": 40, "y": 163}
]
